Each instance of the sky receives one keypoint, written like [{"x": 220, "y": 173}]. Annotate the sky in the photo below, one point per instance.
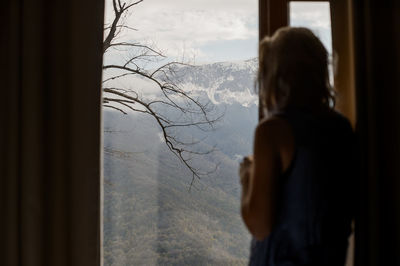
[
  {"x": 314, "y": 15},
  {"x": 205, "y": 31}
]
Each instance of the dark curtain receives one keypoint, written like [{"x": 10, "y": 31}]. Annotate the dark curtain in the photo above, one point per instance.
[
  {"x": 50, "y": 124},
  {"x": 377, "y": 39}
]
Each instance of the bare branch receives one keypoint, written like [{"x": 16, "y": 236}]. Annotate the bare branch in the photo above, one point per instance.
[
  {"x": 192, "y": 112},
  {"x": 113, "y": 107},
  {"x": 113, "y": 27},
  {"x": 117, "y": 77},
  {"x": 136, "y": 45},
  {"x": 117, "y": 100},
  {"x": 121, "y": 26},
  {"x": 131, "y": 5}
]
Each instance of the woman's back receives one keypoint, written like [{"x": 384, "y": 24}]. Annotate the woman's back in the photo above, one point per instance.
[{"x": 314, "y": 198}]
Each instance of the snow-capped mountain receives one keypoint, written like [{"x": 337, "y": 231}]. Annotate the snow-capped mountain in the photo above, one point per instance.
[
  {"x": 230, "y": 87},
  {"x": 149, "y": 216},
  {"x": 225, "y": 82}
]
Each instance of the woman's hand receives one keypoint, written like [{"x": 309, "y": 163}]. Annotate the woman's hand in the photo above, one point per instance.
[{"x": 244, "y": 171}]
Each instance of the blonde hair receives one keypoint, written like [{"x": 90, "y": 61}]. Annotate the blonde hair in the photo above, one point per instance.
[{"x": 293, "y": 71}]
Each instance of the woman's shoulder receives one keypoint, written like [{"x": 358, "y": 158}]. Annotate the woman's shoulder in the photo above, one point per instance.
[
  {"x": 342, "y": 119},
  {"x": 274, "y": 131},
  {"x": 304, "y": 116},
  {"x": 336, "y": 122},
  {"x": 307, "y": 125},
  {"x": 273, "y": 125},
  {"x": 275, "y": 134}
]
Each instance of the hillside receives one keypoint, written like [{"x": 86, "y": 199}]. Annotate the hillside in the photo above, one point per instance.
[{"x": 150, "y": 217}]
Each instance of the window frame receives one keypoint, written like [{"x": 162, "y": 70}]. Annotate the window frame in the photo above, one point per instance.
[{"x": 342, "y": 44}]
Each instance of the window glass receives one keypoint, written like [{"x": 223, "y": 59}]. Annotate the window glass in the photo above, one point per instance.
[
  {"x": 317, "y": 17},
  {"x": 179, "y": 113}
]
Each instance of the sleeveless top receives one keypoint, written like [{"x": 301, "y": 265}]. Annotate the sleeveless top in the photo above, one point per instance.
[{"x": 315, "y": 202}]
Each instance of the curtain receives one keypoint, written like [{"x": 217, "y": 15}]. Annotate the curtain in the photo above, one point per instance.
[
  {"x": 377, "y": 64},
  {"x": 50, "y": 124}
]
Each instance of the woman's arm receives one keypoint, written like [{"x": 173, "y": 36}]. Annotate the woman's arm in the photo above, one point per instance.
[{"x": 259, "y": 186}]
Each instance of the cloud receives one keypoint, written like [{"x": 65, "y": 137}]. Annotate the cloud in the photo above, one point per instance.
[
  {"x": 315, "y": 16},
  {"x": 190, "y": 28},
  {"x": 182, "y": 26}
]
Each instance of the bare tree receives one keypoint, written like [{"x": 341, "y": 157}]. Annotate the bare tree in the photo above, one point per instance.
[{"x": 193, "y": 112}]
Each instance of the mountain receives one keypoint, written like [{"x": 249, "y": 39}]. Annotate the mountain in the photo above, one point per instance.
[
  {"x": 150, "y": 216},
  {"x": 227, "y": 82}
]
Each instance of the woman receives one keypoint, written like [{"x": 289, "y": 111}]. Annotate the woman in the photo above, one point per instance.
[{"x": 297, "y": 187}]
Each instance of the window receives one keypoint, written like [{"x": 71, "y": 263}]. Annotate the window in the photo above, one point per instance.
[
  {"x": 155, "y": 212},
  {"x": 315, "y": 16}
]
